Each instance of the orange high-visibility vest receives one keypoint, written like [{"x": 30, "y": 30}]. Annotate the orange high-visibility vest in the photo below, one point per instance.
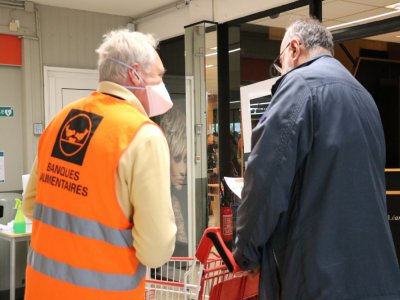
[{"x": 81, "y": 245}]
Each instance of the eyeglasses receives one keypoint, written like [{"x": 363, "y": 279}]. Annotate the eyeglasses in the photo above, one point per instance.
[{"x": 276, "y": 66}]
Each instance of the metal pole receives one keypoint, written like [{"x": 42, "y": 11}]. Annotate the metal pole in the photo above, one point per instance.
[
  {"x": 223, "y": 101},
  {"x": 316, "y": 9},
  {"x": 12, "y": 269}
]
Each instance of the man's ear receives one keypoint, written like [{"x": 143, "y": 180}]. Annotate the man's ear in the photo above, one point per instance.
[
  {"x": 135, "y": 79},
  {"x": 295, "y": 46}
]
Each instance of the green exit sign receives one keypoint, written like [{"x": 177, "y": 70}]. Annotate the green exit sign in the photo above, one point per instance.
[{"x": 6, "y": 111}]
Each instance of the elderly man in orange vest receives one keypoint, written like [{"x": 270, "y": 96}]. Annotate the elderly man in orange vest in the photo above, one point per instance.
[{"x": 99, "y": 190}]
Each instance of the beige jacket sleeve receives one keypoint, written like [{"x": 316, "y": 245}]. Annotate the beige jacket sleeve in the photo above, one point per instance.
[
  {"x": 29, "y": 200},
  {"x": 143, "y": 179}
]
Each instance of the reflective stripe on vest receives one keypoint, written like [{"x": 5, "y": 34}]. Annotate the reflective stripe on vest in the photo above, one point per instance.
[
  {"x": 83, "y": 227},
  {"x": 84, "y": 277}
]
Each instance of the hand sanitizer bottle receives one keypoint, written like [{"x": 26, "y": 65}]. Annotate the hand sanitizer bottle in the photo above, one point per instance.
[{"x": 19, "y": 220}]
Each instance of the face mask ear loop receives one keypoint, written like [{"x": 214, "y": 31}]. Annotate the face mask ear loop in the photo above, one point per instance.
[
  {"x": 137, "y": 74},
  {"x": 129, "y": 67}
]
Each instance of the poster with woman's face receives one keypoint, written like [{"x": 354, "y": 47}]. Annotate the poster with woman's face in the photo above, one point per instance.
[{"x": 173, "y": 123}]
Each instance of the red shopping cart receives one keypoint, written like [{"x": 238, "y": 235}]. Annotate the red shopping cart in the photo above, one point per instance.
[{"x": 212, "y": 274}]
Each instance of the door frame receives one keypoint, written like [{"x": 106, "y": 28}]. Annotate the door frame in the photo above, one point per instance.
[{"x": 55, "y": 79}]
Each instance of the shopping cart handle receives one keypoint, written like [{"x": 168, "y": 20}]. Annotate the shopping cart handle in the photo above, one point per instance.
[{"x": 212, "y": 236}]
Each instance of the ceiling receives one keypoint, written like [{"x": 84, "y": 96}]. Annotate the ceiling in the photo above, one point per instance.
[
  {"x": 335, "y": 12},
  {"x": 129, "y": 8},
  {"x": 338, "y": 12}
]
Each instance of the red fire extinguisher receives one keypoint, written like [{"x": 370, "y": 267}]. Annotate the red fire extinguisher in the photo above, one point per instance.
[
  {"x": 226, "y": 216},
  {"x": 226, "y": 222}
]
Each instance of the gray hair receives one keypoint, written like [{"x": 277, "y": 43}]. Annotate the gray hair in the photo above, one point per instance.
[
  {"x": 126, "y": 46},
  {"x": 311, "y": 33}
]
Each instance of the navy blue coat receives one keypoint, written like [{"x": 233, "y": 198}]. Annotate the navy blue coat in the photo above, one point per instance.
[{"x": 314, "y": 213}]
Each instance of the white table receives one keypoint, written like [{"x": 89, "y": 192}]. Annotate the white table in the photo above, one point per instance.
[{"x": 13, "y": 238}]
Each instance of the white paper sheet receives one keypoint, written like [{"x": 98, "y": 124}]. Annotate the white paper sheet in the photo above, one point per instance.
[
  {"x": 25, "y": 179},
  {"x": 235, "y": 184}
]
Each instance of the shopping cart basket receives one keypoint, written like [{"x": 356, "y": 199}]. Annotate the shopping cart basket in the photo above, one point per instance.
[{"x": 212, "y": 274}]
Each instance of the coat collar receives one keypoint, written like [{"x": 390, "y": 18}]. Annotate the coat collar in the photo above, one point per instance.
[{"x": 305, "y": 64}]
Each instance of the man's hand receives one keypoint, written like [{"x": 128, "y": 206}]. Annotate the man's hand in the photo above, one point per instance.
[{"x": 254, "y": 272}]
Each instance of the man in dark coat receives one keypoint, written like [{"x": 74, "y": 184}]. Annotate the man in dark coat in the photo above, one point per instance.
[{"x": 313, "y": 218}]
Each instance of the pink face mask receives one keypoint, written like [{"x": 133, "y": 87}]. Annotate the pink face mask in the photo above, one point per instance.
[{"x": 159, "y": 100}]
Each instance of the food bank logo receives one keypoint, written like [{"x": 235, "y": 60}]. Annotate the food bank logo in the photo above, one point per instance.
[{"x": 74, "y": 136}]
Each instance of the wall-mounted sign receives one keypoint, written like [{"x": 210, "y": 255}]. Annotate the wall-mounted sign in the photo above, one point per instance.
[
  {"x": 6, "y": 111},
  {"x": 11, "y": 50}
]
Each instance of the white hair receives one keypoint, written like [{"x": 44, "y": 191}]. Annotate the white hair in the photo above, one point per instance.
[
  {"x": 128, "y": 47},
  {"x": 312, "y": 33}
]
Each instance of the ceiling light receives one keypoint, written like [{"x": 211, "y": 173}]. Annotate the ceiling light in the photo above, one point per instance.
[
  {"x": 230, "y": 51},
  {"x": 363, "y": 20},
  {"x": 234, "y": 50},
  {"x": 394, "y": 6},
  {"x": 209, "y": 66}
]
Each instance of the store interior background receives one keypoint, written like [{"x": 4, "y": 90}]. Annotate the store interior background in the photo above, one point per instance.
[{"x": 252, "y": 43}]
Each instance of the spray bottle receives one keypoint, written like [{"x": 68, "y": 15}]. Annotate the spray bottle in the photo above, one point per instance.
[{"x": 19, "y": 220}]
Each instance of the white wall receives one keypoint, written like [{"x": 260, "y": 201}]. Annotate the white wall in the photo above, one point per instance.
[
  {"x": 70, "y": 37},
  {"x": 171, "y": 23}
]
